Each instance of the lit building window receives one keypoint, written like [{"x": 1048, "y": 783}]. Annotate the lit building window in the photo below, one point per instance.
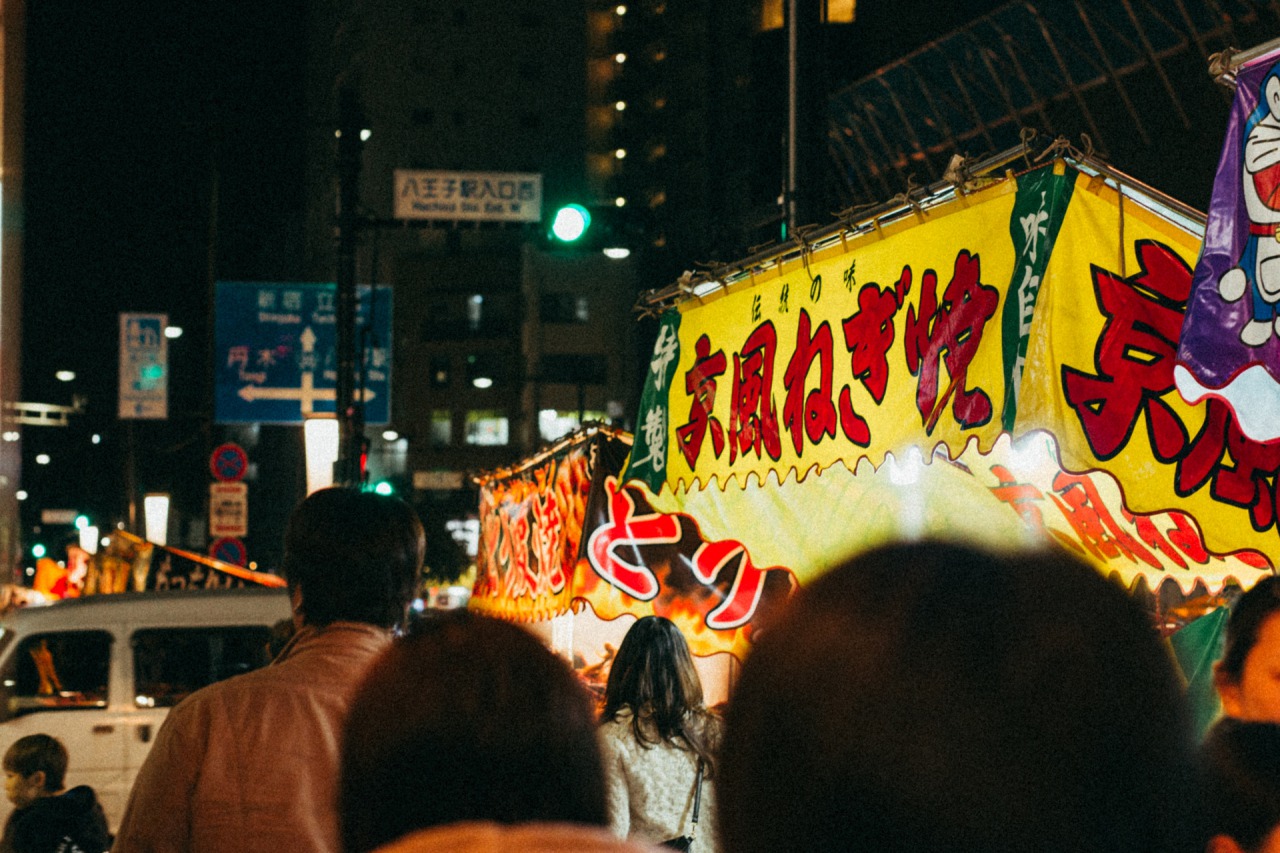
[
  {"x": 486, "y": 427},
  {"x": 841, "y": 11},
  {"x": 553, "y": 424},
  {"x": 441, "y": 432}
]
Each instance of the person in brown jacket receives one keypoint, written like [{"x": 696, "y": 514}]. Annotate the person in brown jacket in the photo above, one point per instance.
[{"x": 251, "y": 763}]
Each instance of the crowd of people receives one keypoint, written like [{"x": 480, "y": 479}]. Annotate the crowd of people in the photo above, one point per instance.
[{"x": 919, "y": 697}]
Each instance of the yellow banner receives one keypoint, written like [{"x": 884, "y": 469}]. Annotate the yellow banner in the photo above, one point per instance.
[
  {"x": 856, "y": 396},
  {"x": 883, "y": 343},
  {"x": 1100, "y": 377}
]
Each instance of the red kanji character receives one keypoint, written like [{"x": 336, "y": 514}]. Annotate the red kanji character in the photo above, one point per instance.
[
  {"x": 700, "y": 383},
  {"x": 1135, "y": 355},
  {"x": 1084, "y": 510},
  {"x": 623, "y": 529},
  {"x": 814, "y": 408},
  {"x": 1250, "y": 483},
  {"x": 753, "y": 419},
  {"x": 548, "y": 537},
  {"x": 1021, "y": 496},
  {"x": 868, "y": 335},
  {"x": 1151, "y": 535},
  {"x": 744, "y": 593},
  {"x": 949, "y": 332}
]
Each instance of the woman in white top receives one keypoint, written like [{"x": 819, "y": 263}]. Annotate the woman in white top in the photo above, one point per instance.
[{"x": 655, "y": 732}]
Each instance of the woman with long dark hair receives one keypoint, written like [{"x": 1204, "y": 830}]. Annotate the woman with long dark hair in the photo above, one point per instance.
[{"x": 658, "y": 740}]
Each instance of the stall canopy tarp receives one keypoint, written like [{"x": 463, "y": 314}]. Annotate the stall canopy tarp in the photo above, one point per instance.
[
  {"x": 531, "y": 521},
  {"x": 1230, "y": 347},
  {"x": 998, "y": 367}
]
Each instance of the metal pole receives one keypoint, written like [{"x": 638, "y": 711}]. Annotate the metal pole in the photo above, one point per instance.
[
  {"x": 793, "y": 116},
  {"x": 349, "y": 410}
]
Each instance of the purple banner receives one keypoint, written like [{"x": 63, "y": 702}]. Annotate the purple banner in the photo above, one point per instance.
[{"x": 1230, "y": 342}]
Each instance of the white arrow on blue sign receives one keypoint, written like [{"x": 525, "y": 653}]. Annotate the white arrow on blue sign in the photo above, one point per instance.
[{"x": 275, "y": 353}]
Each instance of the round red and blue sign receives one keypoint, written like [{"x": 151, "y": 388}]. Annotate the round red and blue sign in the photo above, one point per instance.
[
  {"x": 229, "y": 463},
  {"x": 229, "y": 550}
]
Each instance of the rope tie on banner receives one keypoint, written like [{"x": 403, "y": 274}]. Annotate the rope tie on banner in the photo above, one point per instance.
[
  {"x": 1222, "y": 66},
  {"x": 806, "y": 249},
  {"x": 1026, "y": 135}
]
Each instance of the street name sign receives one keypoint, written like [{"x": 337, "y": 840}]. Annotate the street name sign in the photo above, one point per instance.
[
  {"x": 468, "y": 196},
  {"x": 275, "y": 358}
]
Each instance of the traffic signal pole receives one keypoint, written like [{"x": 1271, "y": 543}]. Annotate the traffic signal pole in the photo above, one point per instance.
[{"x": 349, "y": 409}]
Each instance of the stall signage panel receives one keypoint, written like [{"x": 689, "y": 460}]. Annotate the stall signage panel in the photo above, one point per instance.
[
  {"x": 276, "y": 351},
  {"x": 228, "y": 509}
]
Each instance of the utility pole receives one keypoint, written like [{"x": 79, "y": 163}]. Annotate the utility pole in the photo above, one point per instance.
[{"x": 350, "y": 411}]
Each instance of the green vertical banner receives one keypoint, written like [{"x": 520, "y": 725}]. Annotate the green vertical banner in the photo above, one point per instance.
[
  {"x": 649, "y": 451},
  {"x": 1038, "y": 211}
]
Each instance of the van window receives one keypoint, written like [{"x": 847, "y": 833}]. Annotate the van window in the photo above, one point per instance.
[
  {"x": 57, "y": 671},
  {"x": 170, "y": 663}
]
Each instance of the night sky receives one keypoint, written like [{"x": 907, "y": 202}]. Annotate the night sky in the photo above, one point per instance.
[{"x": 132, "y": 108}]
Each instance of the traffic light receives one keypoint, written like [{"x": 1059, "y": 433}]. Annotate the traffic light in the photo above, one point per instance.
[
  {"x": 570, "y": 224},
  {"x": 383, "y": 487},
  {"x": 603, "y": 228},
  {"x": 38, "y": 550}
]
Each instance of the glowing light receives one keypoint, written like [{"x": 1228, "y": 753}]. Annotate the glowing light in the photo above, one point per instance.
[
  {"x": 320, "y": 438},
  {"x": 617, "y": 253},
  {"x": 621, "y": 10},
  {"x": 11, "y": 435},
  {"x": 482, "y": 382},
  {"x": 620, "y": 154},
  {"x": 65, "y": 375},
  {"x": 620, "y": 201},
  {"x": 620, "y": 106},
  {"x": 42, "y": 459},
  {"x": 173, "y": 332},
  {"x": 21, "y": 494},
  {"x": 619, "y": 58},
  {"x": 155, "y": 511},
  {"x": 390, "y": 435}
]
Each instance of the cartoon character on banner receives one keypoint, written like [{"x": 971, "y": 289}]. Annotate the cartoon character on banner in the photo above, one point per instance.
[{"x": 1258, "y": 272}]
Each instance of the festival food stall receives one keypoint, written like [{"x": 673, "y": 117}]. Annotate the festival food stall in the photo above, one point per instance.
[{"x": 997, "y": 358}]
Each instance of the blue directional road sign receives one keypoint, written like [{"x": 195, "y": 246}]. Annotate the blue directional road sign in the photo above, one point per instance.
[{"x": 275, "y": 351}]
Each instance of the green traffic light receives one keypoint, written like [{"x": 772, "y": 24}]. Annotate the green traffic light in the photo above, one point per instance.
[
  {"x": 570, "y": 223},
  {"x": 382, "y": 487},
  {"x": 82, "y": 521},
  {"x": 38, "y": 550}
]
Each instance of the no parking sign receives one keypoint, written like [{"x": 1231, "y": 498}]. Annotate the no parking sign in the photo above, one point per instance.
[
  {"x": 229, "y": 550},
  {"x": 228, "y": 463}
]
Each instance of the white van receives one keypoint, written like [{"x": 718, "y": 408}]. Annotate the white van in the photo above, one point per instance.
[{"x": 101, "y": 672}]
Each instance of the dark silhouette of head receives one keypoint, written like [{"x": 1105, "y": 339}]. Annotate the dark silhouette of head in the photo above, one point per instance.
[
  {"x": 1242, "y": 785},
  {"x": 468, "y": 719},
  {"x": 932, "y": 697},
  {"x": 354, "y": 556},
  {"x": 1243, "y": 676},
  {"x": 653, "y": 673}
]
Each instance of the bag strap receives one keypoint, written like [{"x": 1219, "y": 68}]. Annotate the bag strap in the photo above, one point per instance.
[{"x": 697, "y": 800}]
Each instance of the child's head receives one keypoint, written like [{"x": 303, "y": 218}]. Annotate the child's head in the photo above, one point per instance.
[{"x": 34, "y": 767}]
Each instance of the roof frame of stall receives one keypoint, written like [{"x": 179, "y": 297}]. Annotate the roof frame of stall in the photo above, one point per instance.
[
  {"x": 1061, "y": 66},
  {"x": 585, "y": 433},
  {"x": 963, "y": 177}
]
